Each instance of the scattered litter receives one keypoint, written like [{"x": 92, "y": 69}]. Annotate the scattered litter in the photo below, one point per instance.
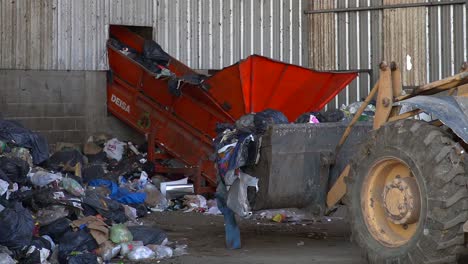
[
  {"x": 72, "y": 186},
  {"x": 119, "y": 233},
  {"x": 162, "y": 252},
  {"x": 180, "y": 250},
  {"x": 107, "y": 250},
  {"x": 213, "y": 207},
  {"x": 278, "y": 218},
  {"x": 114, "y": 149},
  {"x": 195, "y": 202},
  {"x": 164, "y": 185},
  {"x": 127, "y": 247},
  {"x": 141, "y": 253},
  {"x": 50, "y": 214},
  {"x": 300, "y": 243},
  {"x": 42, "y": 178}
]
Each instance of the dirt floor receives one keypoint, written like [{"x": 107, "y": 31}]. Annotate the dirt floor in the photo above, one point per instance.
[{"x": 262, "y": 242}]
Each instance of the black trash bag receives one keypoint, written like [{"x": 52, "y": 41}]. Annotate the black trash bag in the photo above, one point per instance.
[
  {"x": 194, "y": 78},
  {"x": 246, "y": 123},
  {"x": 44, "y": 198},
  {"x": 305, "y": 118},
  {"x": 23, "y": 137},
  {"x": 85, "y": 258},
  {"x": 40, "y": 242},
  {"x": 148, "y": 235},
  {"x": 108, "y": 208},
  {"x": 148, "y": 64},
  {"x": 65, "y": 157},
  {"x": 174, "y": 87},
  {"x": 333, "y": 115},
  {"x": 264, "y": 119},
  {"x": 92, "y": 172},
  {"x": 16, "y": 227},
  {"x": 221, "y": 127},
  {"x": 56, "y": 229},
  {"x": 141, "y": 209},
  {"x": 80, "y": 240},
  {"x": 99, "y": 158},
  {"x": 154, "y": 52},
  {"x": 149, "y": 168},
  {"x": 33, "y": 257},
  {"x": 15, "y": 169},
  {"x": 4, "y": 177}
]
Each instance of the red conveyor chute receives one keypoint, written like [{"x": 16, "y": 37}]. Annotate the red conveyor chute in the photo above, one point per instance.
[{"x": 184, "y": 126}]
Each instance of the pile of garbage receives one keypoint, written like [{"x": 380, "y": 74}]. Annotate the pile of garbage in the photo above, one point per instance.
[
  {"x": 345, "y": 113},
  {"x": 82, "y": 206}
]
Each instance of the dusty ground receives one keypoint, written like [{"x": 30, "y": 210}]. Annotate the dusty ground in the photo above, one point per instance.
[{"x": 265, "y": 242}]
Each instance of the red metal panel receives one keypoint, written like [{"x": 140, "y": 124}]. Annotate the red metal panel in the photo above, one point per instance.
[
  {"x": 171, "y": 134},
  {"x": 266, "y": 83}
]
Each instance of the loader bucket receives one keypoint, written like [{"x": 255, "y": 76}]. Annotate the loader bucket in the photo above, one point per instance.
[{"x": 184, "y": 125}]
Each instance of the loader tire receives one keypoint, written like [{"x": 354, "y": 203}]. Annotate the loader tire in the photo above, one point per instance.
[{"x": 392, "y": 230}]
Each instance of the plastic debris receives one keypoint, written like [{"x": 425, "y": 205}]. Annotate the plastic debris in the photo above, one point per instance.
[
  {"x": 50, "y": 214},
  {"x": 4, "y": 186},
  {"x": 119, "y": 233},
  {"x": 6, "y": 259},
  {"x": 141, "y": 253},
  {"x": 195, "y": 202},
  {"x": 279, "y": 218},
  {"x": 180, "y": 250},
  {"x": 42, "y": 178},
  {"x": 127, "y": 247},
  {"x": 108, "y": 250},
  {"x": 114, "y": 149},
  {"x": 163, "y": 252},
  {"x": 72, "y": 186}
]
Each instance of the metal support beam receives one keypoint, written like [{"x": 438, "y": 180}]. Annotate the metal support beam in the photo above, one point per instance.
[{"x": 382, "y": 7}]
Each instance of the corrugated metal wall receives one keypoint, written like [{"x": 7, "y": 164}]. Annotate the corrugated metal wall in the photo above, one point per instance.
[
  {"x": 209, "y": 34},
  {"x": 428, "y": 43},
  {"x": 205, "y": 34}
]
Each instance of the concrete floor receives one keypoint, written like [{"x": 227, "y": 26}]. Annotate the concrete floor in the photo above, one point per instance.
[{"x": 262, "y": 242}]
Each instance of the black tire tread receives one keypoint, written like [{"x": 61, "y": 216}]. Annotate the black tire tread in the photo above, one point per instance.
[{"x": 446, "y": 188}]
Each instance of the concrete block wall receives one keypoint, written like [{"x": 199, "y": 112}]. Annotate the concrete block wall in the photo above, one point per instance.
[{"x": 64, "y": 106}]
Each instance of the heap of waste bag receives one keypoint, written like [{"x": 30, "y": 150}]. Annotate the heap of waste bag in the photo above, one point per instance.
[{"x": 82, "y": 204}]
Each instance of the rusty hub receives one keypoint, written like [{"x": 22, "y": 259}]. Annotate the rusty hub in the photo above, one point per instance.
[
  {"x": 401, "y": 201},
  {"x": 391, "y": 202}
]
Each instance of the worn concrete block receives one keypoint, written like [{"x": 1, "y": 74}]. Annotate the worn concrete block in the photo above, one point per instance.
[
  {"x": 15, "y": 110},
  {"x": 45, "y": 100},
  {"x": 80, "y": 123},
  {"x": 36, "y": 124},
  {"x": 54, "y": 110},
  {"x": 64, "y": 123},
  {"x": 75, "y": 109}
]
